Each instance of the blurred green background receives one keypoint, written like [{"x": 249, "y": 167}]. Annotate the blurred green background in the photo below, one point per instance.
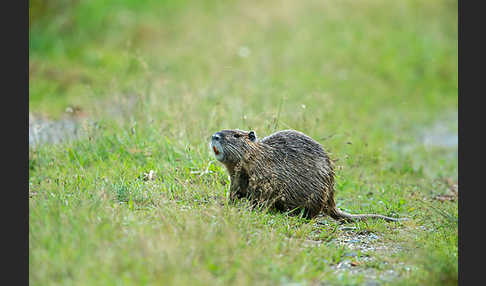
[
  {"x": 149, "y": 81},
  {"x": 380, "y": 55}
]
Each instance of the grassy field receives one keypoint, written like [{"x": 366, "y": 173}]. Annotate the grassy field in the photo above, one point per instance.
[{"x": 375, "y": 82}]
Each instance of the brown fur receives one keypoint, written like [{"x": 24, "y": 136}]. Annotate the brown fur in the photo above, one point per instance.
[{"x": 286, "y": 170}]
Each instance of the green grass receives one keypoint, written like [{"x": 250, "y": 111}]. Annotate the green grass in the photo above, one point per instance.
[{"x": 367, "y": 79}]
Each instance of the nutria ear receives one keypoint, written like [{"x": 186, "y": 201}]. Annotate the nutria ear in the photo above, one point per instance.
[{"x": 252, "y": 136}]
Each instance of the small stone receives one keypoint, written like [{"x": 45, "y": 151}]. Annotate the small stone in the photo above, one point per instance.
[
  {"x": 351, "y": 254},
  {"x": 373, "y": 236}
]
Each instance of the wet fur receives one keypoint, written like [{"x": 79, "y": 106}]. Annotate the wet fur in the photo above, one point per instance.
[{"x": 286, "y": 170}]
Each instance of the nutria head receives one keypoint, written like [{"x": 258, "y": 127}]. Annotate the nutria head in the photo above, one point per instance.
[{"x": 229, "y": 146}]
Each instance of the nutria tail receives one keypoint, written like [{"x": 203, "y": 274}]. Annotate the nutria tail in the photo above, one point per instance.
[{"x": 341, "y": 215}]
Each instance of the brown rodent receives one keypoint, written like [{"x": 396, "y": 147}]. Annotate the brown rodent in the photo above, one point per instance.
[{"x": 286, "y": 170}]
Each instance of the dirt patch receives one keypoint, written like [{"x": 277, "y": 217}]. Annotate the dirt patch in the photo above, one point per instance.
[
  {"x": 74, "y": 122},
  {"x": 452, "y": 191},
  {"x": 43, "y": 130},
  {"x": 443, "y": 133},
  {"x": 439, "y": 138}
]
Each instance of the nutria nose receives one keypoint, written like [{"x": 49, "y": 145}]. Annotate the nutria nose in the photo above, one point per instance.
[{"x": 216, "y": 136}]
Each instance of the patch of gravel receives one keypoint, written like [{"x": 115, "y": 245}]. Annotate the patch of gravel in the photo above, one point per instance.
[
  {"x": 364, "y": 241},
  {"x": 361, "y": 244},
  {"x": 361, "y": 248}
]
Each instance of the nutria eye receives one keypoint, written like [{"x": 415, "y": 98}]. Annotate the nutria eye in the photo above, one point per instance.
[
  {"x": 237, "y": 135},
  {"x": 252, "y": 136}
]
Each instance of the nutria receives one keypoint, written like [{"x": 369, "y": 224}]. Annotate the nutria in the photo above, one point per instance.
[{"x": 286, "y": 170}]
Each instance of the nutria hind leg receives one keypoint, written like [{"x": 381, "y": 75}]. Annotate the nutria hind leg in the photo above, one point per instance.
[
  {"x": 311, "y": 213},
  {"x": 305, "y": 213}
]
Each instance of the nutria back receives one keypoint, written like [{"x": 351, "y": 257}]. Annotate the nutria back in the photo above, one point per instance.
[{"x": 287, "y": 170}]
